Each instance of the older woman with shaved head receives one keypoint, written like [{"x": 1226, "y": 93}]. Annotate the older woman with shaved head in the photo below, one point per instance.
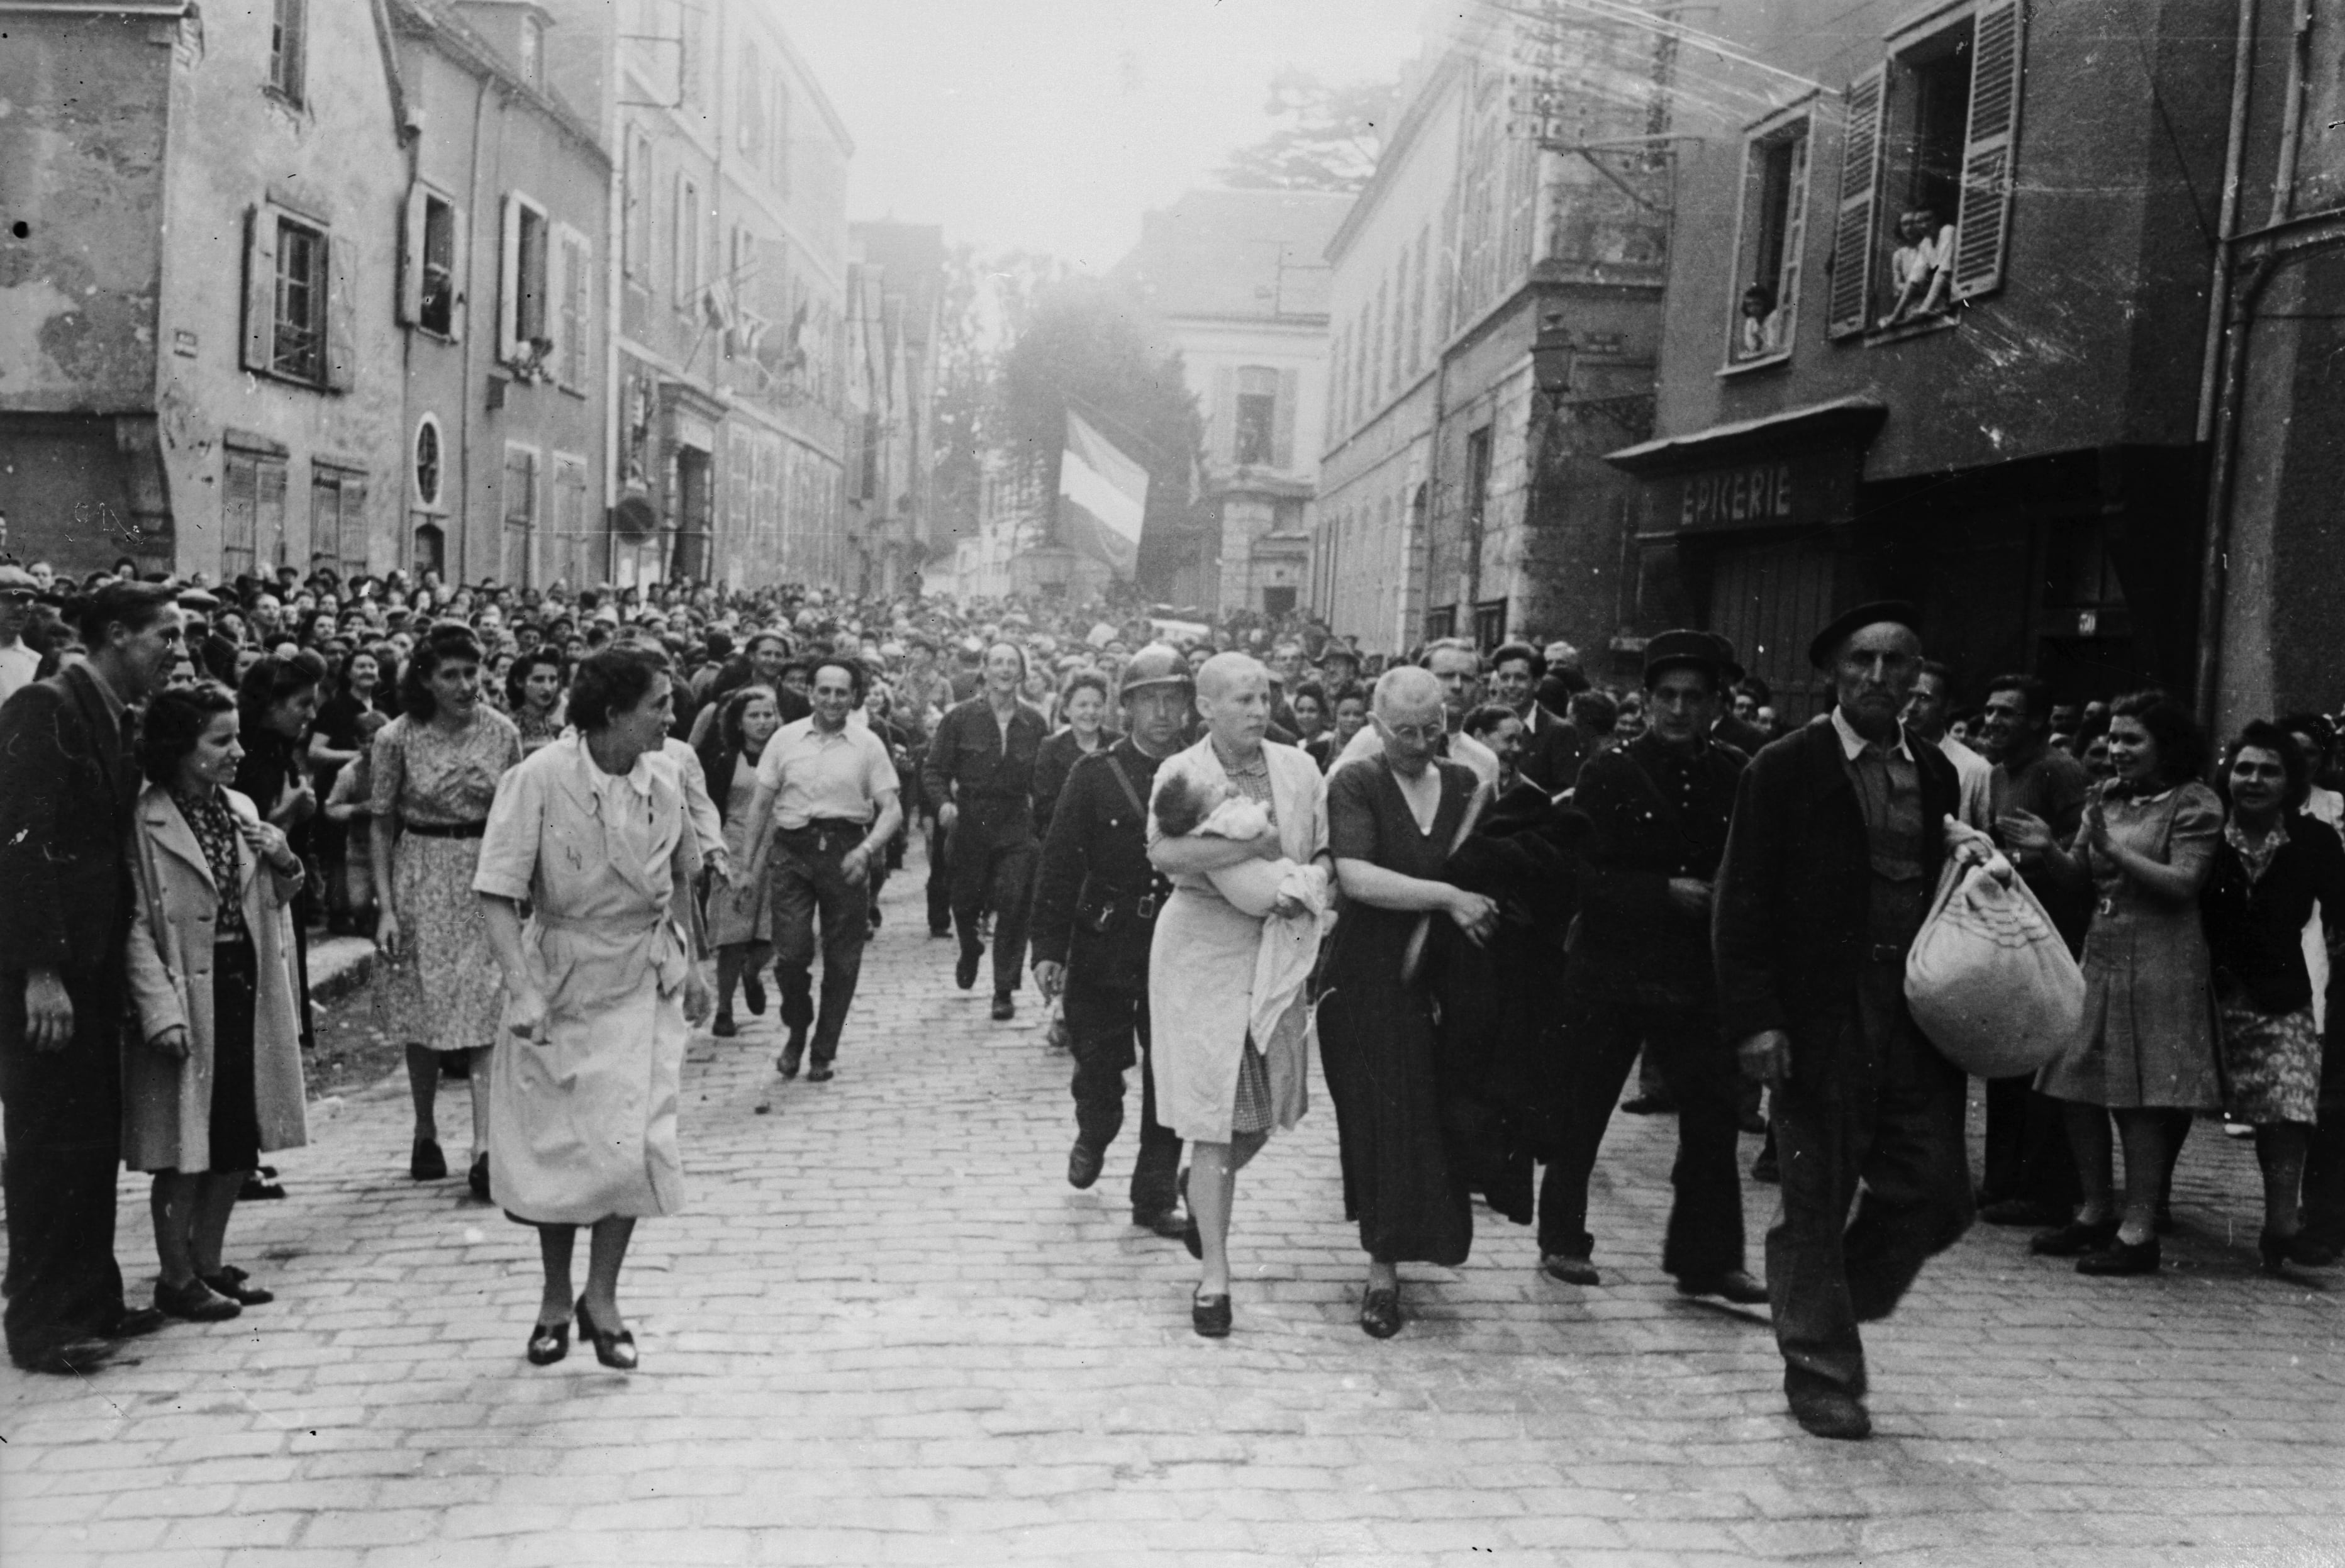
[
  {"x": 1393, "y": 819},
  {"x": 1217, "y": 1084}
]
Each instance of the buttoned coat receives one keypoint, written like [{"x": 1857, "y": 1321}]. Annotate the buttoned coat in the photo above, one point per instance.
[
  {"x": 166, "y": 1101},
  {"x": 583, "y": 1122}
]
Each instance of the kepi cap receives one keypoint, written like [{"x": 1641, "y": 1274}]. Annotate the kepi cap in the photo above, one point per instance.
[{"x": 1700, "y": 648}]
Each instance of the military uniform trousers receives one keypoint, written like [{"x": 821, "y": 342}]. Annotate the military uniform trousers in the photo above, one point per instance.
[
  {"x": 1107, "y": 1033},
  {"x": 810, "y": 886},
  {"x": 1697, "y": 1069},
  {"x": 1896, "y": 1128}
]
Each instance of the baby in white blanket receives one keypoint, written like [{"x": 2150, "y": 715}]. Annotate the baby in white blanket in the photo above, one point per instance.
[{"x": 1185, "y": 806}]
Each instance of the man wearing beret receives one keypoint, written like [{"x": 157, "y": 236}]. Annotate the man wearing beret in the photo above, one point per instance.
[
  {"x": 1841, "y": 831},
  {"x": 1639, "y": 971}
]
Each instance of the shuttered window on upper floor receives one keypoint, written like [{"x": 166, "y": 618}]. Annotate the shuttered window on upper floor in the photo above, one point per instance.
[{"x": 1928, "y": 157}]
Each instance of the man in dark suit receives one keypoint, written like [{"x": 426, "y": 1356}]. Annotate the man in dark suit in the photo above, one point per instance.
[
  {"x": 1553, "y": 748},
  {"x": 1841, "y": 831},
  {"x": 68, "y": 780}
]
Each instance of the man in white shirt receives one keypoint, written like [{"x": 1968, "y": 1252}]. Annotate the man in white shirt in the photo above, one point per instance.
[
  {"x": 826, "y": 803},
  {"x": 1927, "y": 713},
  {"x": 20, "y": 664}
]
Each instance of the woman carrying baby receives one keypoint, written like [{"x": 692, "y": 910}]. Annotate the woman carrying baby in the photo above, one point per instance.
[
  {"x": 1392, "y": 822},
  {"x": 1222, "y": 1082}
]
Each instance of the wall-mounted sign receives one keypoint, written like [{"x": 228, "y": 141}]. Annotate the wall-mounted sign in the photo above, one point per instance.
[{"x": 1801, "y": 490}]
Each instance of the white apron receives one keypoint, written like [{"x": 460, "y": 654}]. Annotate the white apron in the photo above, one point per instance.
[
  {"x": 1202, "y": 965},
  {"x": 582, "y": 1124}
]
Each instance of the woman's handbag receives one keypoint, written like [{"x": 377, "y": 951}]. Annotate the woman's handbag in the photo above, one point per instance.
[{"x": 1989, "y": 979}]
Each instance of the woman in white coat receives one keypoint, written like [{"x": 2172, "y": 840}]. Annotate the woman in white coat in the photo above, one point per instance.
[
  {"x": 593, "y": 832},
  {"x": 213, "y": 1076},
  {"x": 1217, "y": 1084}
]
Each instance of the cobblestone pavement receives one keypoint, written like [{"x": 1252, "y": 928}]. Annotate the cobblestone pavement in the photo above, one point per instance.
[{"x": 888, "y": 1331}]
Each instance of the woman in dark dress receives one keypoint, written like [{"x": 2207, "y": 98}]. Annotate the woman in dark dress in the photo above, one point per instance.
[
  {"x": 276, "y": 702},
  {"x": 1392, "y": 822},
  {"x": 2270, "y": 868}
]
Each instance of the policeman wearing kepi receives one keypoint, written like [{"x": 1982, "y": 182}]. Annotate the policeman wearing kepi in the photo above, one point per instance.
[{"x": 1095, "y": 907}]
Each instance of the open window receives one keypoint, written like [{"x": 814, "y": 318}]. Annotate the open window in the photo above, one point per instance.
[
  {"x": 1769, "y": 240},
  {"x": 431, "y": 243},
  {"x": 1926, "y": 171},
  {"x": 528, "y": 287},
  {"x": 301, "y": 321},
  {"x": 1256, "y": 416}
]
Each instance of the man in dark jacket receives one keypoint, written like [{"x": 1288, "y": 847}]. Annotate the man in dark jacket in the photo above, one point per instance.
[
  {"x": 1840, "y": 834},
  {"x": 68, "y": 781},
  {"x": 1095, "y": 907},
  {"x": 1641, "y": 972},
  {"x": 979, "y": 776}
]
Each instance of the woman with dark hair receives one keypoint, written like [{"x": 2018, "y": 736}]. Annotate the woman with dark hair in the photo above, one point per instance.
[
  {"x": 534, "y": 698},
  {"x": 276, "y": 702},
  {"x": 1347, "y": 713},
  {"x": 2273, "y": 865},
  {"x": 739, "y": 919},
  {"x": 215, "y": 1076},
  {"x": 436, "y": 768},
  {"x": 1309, "y": 702},
  {"x": 2147, "y": 1053},
  {"x": 1082, "y": 703},
  {"x": 593, "y": 835}
]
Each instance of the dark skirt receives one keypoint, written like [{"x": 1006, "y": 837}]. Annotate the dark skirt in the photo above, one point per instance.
[
  {"x": 1377, "y": 1045},
  {"x": 236, "y": 1109}
]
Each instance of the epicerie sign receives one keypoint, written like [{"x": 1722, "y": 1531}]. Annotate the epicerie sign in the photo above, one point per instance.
[{"x": 1758, "y": 494}]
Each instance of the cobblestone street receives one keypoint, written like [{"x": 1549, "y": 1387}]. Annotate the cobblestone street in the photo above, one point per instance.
[{"x": 888, "y": 1331}]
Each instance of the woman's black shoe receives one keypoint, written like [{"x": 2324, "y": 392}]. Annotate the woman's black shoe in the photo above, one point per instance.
[
  {"x": 426, "y": 1163},
  {"x": 1380, "y": 1312},
  {"x": 2121, "y": 1257},
  {"x": 548, "y": 1343},
  {"x": 195, "y": 1302},
  {"x": 2281, "y": 1251},
  {"x": 237, "y": 1286},
  {"x": 260, "y": 1187},
  {"x": 1209, "y": 1316},
  {"x": 479, "y": 1178},
  {"x": 2074, "y": 1239},
  {"x": 617, "y": 1350}
]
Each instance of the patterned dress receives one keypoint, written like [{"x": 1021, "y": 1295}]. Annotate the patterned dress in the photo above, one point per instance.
[{"x": 442, "y": 990}]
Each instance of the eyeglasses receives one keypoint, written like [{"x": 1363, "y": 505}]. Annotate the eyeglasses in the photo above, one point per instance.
[{"x": 1424, "y": 735}]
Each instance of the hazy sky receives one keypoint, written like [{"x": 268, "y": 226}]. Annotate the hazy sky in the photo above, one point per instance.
[{"x": 1052, "y": 124}]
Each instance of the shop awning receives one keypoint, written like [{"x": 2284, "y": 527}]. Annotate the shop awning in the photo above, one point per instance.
[{"x": 1850, "y": 423}]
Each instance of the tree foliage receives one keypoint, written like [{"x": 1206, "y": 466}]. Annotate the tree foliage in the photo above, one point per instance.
[{"x": 1328, "y": 137}]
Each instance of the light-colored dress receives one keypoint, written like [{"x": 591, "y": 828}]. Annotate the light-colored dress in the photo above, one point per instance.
[
  {"x": 442, "y": 990},
  {"x": 740, "y": 912},
  {"x": 2149, "y": 1036},
  {"x": 1201, "y": 963},
  {"x": 582, "y": 1124}
]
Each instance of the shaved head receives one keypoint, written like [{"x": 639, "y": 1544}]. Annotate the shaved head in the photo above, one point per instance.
[
  {"x": 1225, "y": 673},
  {"x": 1406, "y": 689}
]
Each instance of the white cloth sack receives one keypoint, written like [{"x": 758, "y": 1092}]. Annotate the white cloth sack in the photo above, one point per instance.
[{"x": 1989, "y": 979}]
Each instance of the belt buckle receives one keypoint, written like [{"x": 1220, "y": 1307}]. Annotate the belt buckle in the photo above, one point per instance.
[
  {"x": 2106, "y": 905},
  {"x": 1146, "y": 908}
]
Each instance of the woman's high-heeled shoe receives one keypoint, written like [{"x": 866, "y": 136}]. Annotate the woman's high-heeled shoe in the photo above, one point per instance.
[
  {"x": 2279, "y": 1251},
  {"x": 1209, "y": 1316},
  {"x": 549, "y": 1343},
  {"x": 2075, "y": 1238},
  {"x": 614, "y": 1351}
]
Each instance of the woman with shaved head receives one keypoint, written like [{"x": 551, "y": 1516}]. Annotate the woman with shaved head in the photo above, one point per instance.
[{"x": 1218, "y": 1084}]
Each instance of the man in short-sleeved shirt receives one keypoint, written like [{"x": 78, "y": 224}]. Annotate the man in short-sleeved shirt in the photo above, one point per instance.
[{"x": 825, "y": 803}]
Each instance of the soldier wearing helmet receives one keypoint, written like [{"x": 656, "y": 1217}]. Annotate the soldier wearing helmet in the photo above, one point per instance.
[{"x": 1095, "y": 905}]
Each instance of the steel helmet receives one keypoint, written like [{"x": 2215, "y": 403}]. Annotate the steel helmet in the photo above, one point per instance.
[{"x": 1157, "y": 665}]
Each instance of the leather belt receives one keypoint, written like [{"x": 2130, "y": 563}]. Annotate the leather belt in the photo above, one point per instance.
[{"x": 446, "y": 829}]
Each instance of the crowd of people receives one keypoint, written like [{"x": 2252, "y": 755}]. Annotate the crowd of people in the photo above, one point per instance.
[{"x": 577, "y": 825}]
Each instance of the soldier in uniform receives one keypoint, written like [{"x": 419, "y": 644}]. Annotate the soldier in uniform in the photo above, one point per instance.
[
  {"x": 1641, "y": 970},
  {"x": 1094, "y": 916},
  {"x": 979, "y": 776}
]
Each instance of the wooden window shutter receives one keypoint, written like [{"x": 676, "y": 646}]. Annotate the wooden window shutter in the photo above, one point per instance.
[
  {"x": 411, "y": 257},
  {"x": 554, "y": 244},
  {"x": 460, "y": 265},
  {"x": 509, "y": 279},
  {"x": 1983, "y": 229},
  {"x": 1221, "y": 444},
  {"x": 1282, "y": 438},
  {"x": 259, "y": 288},
  {"x": 1860, "y": 180},
  {"x": 239, "y": 494},
  {"x": 342, "y": 312},
  {"x": 268, "y": 510},
  {"x": 351, "y": 545}
]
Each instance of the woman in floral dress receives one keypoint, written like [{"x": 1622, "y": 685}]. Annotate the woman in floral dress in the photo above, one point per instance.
[{"x": 436, "y": 768}]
